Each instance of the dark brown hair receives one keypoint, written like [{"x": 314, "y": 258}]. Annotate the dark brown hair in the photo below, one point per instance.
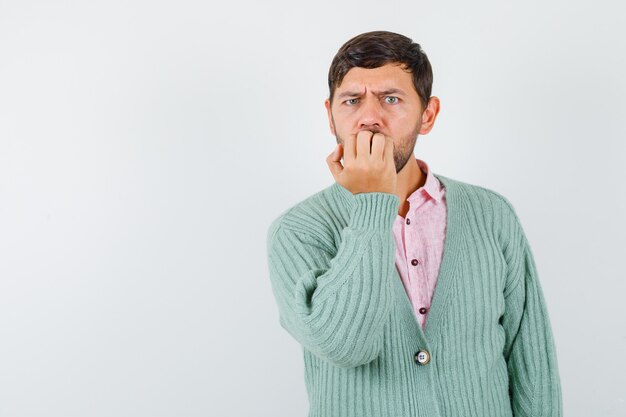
[{"x": 377, "y": 48}]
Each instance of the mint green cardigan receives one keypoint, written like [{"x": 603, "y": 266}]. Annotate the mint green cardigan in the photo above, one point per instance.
[{"x": 488, "y": 337}]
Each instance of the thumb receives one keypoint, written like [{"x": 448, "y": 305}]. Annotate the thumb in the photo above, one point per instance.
[{"x": 334, "y": 161}]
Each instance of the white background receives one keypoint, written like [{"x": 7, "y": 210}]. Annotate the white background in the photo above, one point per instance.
[{"x": 145, "y": 146}]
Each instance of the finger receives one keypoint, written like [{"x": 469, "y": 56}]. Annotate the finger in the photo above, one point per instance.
[
  {"x": 363, "y": 144},
  {"x": 388, "y": 155},
  {"x": 349, "y": 149},
  {"x": 334, "y": 161},
  {"x": 378, "y": 146}
]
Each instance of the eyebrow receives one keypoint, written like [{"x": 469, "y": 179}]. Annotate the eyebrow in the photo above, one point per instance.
[{"x": 384, "y": 92}]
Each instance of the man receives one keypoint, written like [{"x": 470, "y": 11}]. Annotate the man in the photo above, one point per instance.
[{"x": 411, "y": 293}]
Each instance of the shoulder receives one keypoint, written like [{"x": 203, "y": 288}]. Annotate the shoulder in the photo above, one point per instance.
[
  {"x": 479, "y": 196},
  {"x": 489, "y": 207}
]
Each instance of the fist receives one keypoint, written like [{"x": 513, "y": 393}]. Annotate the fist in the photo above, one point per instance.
[{"x": 368, "y": 164}]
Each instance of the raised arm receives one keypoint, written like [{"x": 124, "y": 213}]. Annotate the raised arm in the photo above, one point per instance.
[{"x": 336, "y": 301}]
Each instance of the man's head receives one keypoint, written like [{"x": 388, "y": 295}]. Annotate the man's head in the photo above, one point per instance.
[{"x": 381, "y": 81}]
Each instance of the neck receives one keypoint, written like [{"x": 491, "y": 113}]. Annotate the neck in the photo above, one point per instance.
[{"x": 410, "y": 178}]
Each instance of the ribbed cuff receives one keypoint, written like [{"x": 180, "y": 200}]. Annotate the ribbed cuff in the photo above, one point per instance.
[{"x": 374, "y": 211}]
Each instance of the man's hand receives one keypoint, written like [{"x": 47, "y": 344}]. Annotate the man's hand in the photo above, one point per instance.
[{"x": 364, "y": 171}]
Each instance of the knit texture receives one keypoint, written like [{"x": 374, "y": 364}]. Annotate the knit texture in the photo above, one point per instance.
[{"x": 492, "y": 354}]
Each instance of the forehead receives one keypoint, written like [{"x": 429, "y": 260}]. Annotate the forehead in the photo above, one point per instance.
[{"x": 388, "y": 76}]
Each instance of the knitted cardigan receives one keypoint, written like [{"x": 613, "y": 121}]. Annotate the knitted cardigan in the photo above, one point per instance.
[{"x": 338, "y": 292}]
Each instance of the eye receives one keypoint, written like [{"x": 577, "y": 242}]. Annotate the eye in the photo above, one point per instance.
[
  {"x": 349, "y": 101},
  {"x": 395, "y": 99}
]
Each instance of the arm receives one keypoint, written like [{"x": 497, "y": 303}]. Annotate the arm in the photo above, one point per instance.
[
  {"x": 337, "y": 306},
  {"x": 534, "y": 382}
]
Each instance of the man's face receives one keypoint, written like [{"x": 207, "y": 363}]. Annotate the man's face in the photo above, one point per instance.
[{"x": 381, "y": 100}]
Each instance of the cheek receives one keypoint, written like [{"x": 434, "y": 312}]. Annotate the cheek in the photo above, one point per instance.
[
  {"x": 401, "y": 121},
  {"x": 403, "y": 114},
  {"x": 344, "y": 125}
]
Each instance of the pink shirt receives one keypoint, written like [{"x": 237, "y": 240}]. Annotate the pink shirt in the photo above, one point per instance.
[{"x": 419, "y": 242}]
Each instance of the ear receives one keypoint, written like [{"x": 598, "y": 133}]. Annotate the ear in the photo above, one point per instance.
[
  {"x": 330, "y": 116},
  {"x": 429, "y": 115}
]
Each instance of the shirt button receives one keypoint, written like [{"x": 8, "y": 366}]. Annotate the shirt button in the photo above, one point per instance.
[
  {"x": 423, "y": 310},
  {"x": 414, "y": 262},
  {"x": 422, "y": 357},
  {"x": 408, "y": 221}
]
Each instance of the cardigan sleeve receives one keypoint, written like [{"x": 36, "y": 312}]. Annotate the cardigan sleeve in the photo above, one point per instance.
[
  {"x": 336, "y": 301},
  {"x": 534, "y": 382}
]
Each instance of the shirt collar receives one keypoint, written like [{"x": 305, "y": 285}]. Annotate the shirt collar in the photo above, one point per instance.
[{"x": 432, "y": 186}]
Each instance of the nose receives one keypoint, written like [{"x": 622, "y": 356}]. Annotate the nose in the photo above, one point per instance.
[{"x": 370, "y": 117}]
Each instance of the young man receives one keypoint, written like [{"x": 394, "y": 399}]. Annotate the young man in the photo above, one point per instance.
[{"x": 411, "y": 293}]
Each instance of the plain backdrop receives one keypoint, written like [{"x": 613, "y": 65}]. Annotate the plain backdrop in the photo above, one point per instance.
[{"x": 145, "y": 147}]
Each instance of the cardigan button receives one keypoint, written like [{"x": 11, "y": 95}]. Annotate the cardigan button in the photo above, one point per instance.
[{"x": 422, "y": 357}]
